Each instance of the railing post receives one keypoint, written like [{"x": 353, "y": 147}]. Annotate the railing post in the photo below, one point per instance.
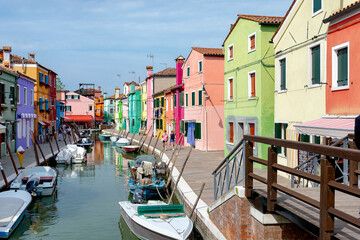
[
  {"x": 353, "y": 179},
  {"x": 346, "y": 165},
  {"x": 272, "y": 178},
  {"x": 215, "y": 190},
  {"x": 242, "y": 163},
  {"x": 248, "y": 169},
  {"x": 327, "y": 200},
  {"x": 227, "y": 172}
]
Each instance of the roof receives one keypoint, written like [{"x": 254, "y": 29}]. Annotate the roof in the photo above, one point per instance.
[
  {"x": 328, "y": 127},
  {"x": 9, "y": 70},
  {"x": 209, "y": 51},
  {"x": 18, "y": 60},
  {"x": 131, "y": 83},
  {"x": 342, "y": 12},
  {"x": 26, "y": 77},
  {"x": 272, "y": 20},
  {"x": 121, "y": 96},
  {"x": 111, "y": 97},
  {"x": 78, "y": 118},
  {"x": 286, "y": 15},
  {"x": 169, "y": 89},
  {"x": 167, "y": 72}
]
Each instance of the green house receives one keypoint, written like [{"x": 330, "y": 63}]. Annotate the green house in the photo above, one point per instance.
[
  {"x": 249, "y": 80},
  {"x": 134, "y": 109}
]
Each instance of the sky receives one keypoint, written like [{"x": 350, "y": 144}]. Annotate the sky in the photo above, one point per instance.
[{"x": 105, "y": 41}]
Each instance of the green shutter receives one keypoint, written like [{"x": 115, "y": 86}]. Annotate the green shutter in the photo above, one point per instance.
[
  {"x": 181, "y": 126},
  {"x": 315, "y": 59},
  {"x": 162, "y": 102},
  {"x": 316, "y": 5},
  {"x": 278, "y": 135},
  {"x": 186, "y": 128},
  {"x": 317, "y": 139},
  {"x": 157, "y": 123},
  {"x": 175, "y": 100},
  {"x": 342, "y": 67},
  {"x": 285, "y": 125},
  {"x": 283, "y": 74},
  {"x": 304, "y": 138},
  {"x": 186, "y": 100},
  {"x": 181, "y": 99},
  {"x": 200, "y": 66},
  {"x": 193, "y": 99},
  {"x": 161, "y": 124},
  {"x": 188, "y": 71},
  {"x": 197, "y": 130},
  {"x": 200, "y": 97}
]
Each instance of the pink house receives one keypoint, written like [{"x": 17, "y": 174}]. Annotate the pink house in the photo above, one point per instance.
[
  {"x": 203, "y": 78},
  {"x": 149, "y": 97},
  {"x": 79, "y": 109}
]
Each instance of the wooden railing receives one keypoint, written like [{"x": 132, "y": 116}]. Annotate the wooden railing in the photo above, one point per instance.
[{"x": 327, "y": 182}]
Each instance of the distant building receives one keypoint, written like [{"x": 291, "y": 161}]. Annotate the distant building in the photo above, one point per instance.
[
  {"x": 109, "y": 109},
  {"x": 143, "y": 104},
  {"x": 134, "y": 102}
]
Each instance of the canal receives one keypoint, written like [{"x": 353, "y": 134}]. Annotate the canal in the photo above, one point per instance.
[{"x": 85, "y": 205}]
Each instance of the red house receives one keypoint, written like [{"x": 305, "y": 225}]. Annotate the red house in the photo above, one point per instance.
[{"x": 52, "y": 98}]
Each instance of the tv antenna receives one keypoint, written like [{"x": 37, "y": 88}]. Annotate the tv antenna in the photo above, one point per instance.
[
  {"x": 132, "y": 72},
  {"x": 151, "y": 56}
]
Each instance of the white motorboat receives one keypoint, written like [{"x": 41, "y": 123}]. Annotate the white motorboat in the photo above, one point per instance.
[
  {"x": 38, "y": 181},
  {"x": 64, "y": 156},
  {"x": 78, "y": 153},
  {"x": 122, "y": 142},
  {"x": 156, "y": 220},
  {"x": 13, "y": 205},
  {"x": 113, "y": 139}
]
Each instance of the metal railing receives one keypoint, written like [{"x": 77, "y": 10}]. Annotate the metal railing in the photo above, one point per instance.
[{"x": 230, "y": 171}]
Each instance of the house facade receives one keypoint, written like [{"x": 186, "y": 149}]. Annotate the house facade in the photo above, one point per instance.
[
  {"x": 52, "y": 100},
  {"x": 109, "y": 108},
  {"x": 149, "y": 98},
  {"x": 25, "y": 116},
  {"x": 117, "y": 119},
  {"x": 159, "y": 121},
  {"x": 169, "y": 110},
  {"x": 248, "y": 80},
  {"x": 79, "y": 109},
  {"x": 177, "y": 91},
  {"x": 143, "y": 103},
  {"x": 134, "y": 110},
  {"x": 300, "y": 71},
  {"x": 202, "y": 98}
]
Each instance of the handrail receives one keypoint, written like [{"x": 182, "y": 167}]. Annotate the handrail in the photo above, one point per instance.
[{"x": 231, "y": 153}]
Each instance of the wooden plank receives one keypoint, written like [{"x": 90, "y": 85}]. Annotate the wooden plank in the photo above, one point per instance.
[
  {"x": 345, "y": 189},
  {"x": 258, "y": 160},
  {"x": 345, "y": 217},
  {"x": 298, "y": 173},
  {"x": 257, "y": 177}
]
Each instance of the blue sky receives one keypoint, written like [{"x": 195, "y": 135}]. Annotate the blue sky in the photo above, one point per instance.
[{"x": 93, "y": 41}]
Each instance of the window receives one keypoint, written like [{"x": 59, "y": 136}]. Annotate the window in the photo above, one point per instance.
[
  {"x": 186, "y": 100},
  {"x": 133, "y": 122},
  {"x": 111, "y": 110},
  {"x": 32, "y": 97},
  {"x": 18, "y": 94},
  {"x": 2, "y": 89},
  {"x": 340, "y": 67},
  {"x": 68, "y": 108},
  {"x": 197, "y": 130},
  {"x": 161, "y": 124},
  {"x": 317, "y": 6},
  {"x": 252, "y": 84},
  {"x": 182, "y": 124},
  {"x": 19, "y": 125},
  {"x": 46, "y": 104},
  {"x": 251, "y": 42},
  {"x": 90, "y": 107},
  {"x": 171, "y": 103},
  {"x": 46, "y": 79},
  {"x": 12, "y": 95},
  {"x": 231, "y": 132},
  {"x": 315, "y": 65},
  {"x": 193, "y": 99},
  {"x": 175, "y": 100},
  {"x": 181, "y": 99},
  {"x": 230, "y": 89},
  {"x": 230, "y": 52},
  {"x": 252, "y": 131},
  {"x": 41, "y": 77},
  {"x": 200, "y": 66},
  {"x": 188, "y": 71},
  {"x": 280, "y": 132},
  {"x": 283, "y": 74},
  {"x": 111, "y": 101},
  {"x": 25, "y": 96},
  {"x": 200, "y": 97},
  {"x": 24, "y": 127},
  {"x": 162, "y": 102}
]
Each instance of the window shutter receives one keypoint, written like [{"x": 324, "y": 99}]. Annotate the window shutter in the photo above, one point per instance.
[
  {"x": 181, "y": 126},
  {"x": 175, "y": 100},
  {"x": 343, "y": 67},
  {"x": 231, "y": 96},
  {"x": 252, "y": 42},
  {"x": 316, "y": 5},
  {"x": 197, "y": 130},
  {"x": 317, "y": 139},
  {"x": 252, "y": 77},
  {"x": 285, "y": 125},
  {"x": 186, "y": 129},
  {"x": 304, "y": 138},
  {"x": 315, "y": 57},
  {"x": 193, "y": 99},
  {"x": 200, "y": 97},
  {"x": 187, "y": 100},
  {"x": 278, "y": 134},
  {"x": 162, "y": 102},
  {"x": 283, "y": 74},
  {"x": 161, "y": 124},
  {"x": 231, "y": 132}
]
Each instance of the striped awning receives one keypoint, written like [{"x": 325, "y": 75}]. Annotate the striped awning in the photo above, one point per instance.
[{"x": 327, "y": 127}]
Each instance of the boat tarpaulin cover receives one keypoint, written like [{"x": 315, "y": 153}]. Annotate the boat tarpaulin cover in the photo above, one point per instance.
[
  {"x": 327, "y": 127},
  {"x": 141, "y": 158}
]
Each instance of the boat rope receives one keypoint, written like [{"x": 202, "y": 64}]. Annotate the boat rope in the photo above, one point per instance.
[{"x": 159, "y": 193}]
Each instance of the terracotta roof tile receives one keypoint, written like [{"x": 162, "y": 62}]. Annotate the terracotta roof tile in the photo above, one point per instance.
[
  {"x": 209, "y": 51},
  {"x": 130, "y": 83},
  {"x": 9, "y": 70},
  {"x": 167, "y": 72},
  {"x": 18, "y": 60},
  {"x": 341, "y": 12},
  {"x": 257, "y": 18},
  {"x": 111, "y": 97}
]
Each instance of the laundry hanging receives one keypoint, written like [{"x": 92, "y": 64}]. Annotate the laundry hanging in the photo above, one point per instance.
[{"x": 191, "y": 133}]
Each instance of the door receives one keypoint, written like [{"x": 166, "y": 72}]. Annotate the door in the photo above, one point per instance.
[{"x": 27, "y": 133}]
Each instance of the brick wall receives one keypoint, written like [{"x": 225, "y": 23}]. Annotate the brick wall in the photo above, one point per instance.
[{"x": 233, "y": 219}]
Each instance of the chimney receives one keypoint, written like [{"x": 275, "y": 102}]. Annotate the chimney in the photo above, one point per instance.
[
  {"x": 105, "y": 95},
  {"x": 149, "y": 70},
  {"x": 179, "y": 71},
  {"x": 117, "y": 92},
  {"x": 6, "y": 56},
  {"x": 99, "y": 88},
  {"x": 32, "y": 56}
]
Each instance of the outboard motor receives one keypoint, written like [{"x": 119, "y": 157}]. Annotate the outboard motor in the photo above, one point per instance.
[
  {"x": 357, "y": 132},
  {"x": 32, "y": 183},
  {"x": 138, "y": 196}
]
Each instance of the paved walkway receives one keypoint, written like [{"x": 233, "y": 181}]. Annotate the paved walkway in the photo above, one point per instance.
[{"x": 29, "y": 160}]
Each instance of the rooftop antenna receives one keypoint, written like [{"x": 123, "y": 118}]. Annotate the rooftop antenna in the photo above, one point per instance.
[
  {"x": 151, "y": 56},
  {"x": 132, "y": 72},
  {"x": 119, "y": 75},
  {"x": 164, "y": 64}
]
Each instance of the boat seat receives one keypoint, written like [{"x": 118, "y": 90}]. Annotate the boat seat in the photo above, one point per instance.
[
  {"x": 159, "y": 209},
  {"x": 9, "y": 206},
  {"x": 42, "y": 179}
]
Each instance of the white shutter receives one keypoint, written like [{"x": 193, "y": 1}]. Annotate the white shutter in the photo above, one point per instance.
[{"x": 24, "y": 127}]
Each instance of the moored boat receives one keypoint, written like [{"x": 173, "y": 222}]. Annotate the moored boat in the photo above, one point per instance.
[
  {"x": 130, "y": 148},
  {"x": 13, "y": 205},
  {"x": 105, "y": 137},
  {"x": 122, "y": 142},
  {"x": 38, "y": 181},
  {"x": 64, "y": 156},
  {"x": 156, "y": 220}
]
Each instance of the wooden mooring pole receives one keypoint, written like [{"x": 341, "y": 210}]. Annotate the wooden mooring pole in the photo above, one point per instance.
[
  {"x": 172, "y": 168},
  {"x": 197, "y": 200},
  {"x": 152, "y": 153},
  {"x": 34, "y": 145},
  {"x": 145, "y": 139},
  {"x": 132, "y": 138},
  {"x": 42, "y": 153},
  {"x": 12, "y": 158},
  {"x": 179, "y": 144},
  {"x": 4, "y": 176},
  {"x": 52, "y": 151},
  {"x": 178, "y": 179},
  {"x": 56, "y": 140},
  {"x": 147, "y": 150}
]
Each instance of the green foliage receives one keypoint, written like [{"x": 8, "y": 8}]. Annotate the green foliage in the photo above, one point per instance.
[{"x": 59, "y": 84}]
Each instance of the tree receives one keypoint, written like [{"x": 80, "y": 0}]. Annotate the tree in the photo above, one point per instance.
[{"x": 59, "y": 84}]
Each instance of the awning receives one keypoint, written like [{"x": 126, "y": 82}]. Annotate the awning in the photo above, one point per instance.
[
  {"x": 65, "y": 117},
  {"x": 2, "y": 128},
  {"x": 78, "y": 118},
  {"x": 327, "y": 127},
  {"x": 99, "y": 119},
  {"x": 47, "y": 123},
  {"x": 41, "y": 123}
]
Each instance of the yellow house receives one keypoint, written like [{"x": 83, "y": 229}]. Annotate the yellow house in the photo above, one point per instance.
[
  {"x": 300, "y": 70},
  {"x": 143, "y": 104},
  {"x": 33, "y": 69},
  {"x": 159, "y": 122}
]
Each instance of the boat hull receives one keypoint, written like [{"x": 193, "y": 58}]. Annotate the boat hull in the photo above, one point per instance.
[{"x": 130, "y": 148}]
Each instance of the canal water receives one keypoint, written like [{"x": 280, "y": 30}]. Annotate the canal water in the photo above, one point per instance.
[{"x": 85, "y": 205}]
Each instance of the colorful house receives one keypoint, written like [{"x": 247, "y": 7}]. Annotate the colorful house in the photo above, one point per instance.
[
  {"x": 169, "y": 110},
  {"x": 52, "y": 100},
  {"x": 202, "y": 98},
  {"x": 60, "y": 113},
  {"x": 118, "y": 109},
  {"x": 79, "y": 109},
  {"x": 143, "y": 104},
  {"x": 109, "y": 108},
  {"x": 8, "y": 79},
  {"x": 149, "y": 98},
  {"x": 177, "y": 91},
  {"x": 125, "y": 112},
  {"x": 300, "y": 71},
  {"x": 99, "y": 109},
  {"x": 159, "y": 113},
  {"x": 134, "y": 110},
  {"x": 25, "y": 110},
  {"x": 249, "y": 80}
]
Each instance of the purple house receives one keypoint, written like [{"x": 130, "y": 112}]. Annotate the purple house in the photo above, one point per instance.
[{"x": 25, "y": 110}]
